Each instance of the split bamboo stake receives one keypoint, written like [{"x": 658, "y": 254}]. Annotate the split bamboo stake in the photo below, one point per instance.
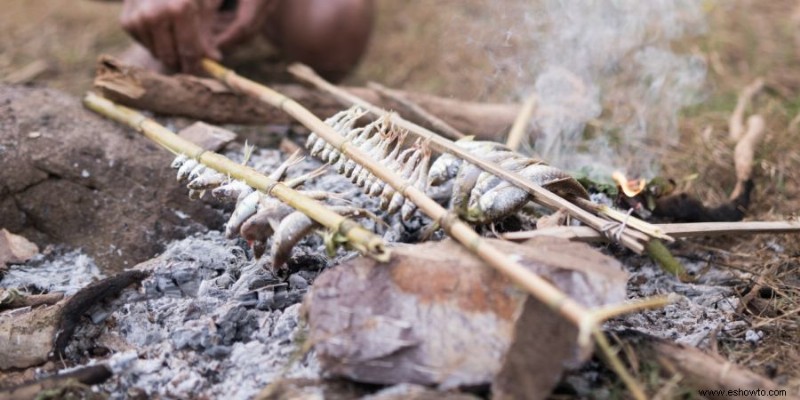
[
  {"x": 538, "y": 287},
  {"x": 358, "y": 237},
  {"x": 520, "y": 128},
  {"x": 633, "y": 238},
  {"x": 694, "y": 229}
]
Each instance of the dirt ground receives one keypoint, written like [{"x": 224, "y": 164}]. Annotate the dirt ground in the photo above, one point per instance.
[{"x": 447, "y": 48}]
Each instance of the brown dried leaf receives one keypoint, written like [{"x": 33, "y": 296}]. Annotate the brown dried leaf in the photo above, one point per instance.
[
  {"x": 436, "y": 315},
  {"x": 15, "y": 249}
]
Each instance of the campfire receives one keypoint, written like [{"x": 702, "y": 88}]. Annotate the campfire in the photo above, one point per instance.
[{"x": 380, "y": 243}]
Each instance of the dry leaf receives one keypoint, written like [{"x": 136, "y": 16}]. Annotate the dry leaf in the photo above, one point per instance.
[{"x": 15, "y": 249}]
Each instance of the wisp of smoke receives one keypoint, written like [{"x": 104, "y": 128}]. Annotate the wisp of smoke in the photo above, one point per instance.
[{"x": 608, "y": 82}]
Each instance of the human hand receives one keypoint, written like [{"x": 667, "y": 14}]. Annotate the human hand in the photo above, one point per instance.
[
  {"x": 248, "y": 21},
  {"x": 177, "y": 32}
]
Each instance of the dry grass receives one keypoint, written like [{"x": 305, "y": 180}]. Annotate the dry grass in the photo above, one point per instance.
[{"x": 451, "y": 48}]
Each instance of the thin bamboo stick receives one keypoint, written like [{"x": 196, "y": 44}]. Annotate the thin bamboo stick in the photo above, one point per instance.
[
  {"x": 420, "y": 112},
  {"x": 538, "y": 287},
  {"x": 630, "y": 238},
  {"x": 677, "y": 230},
  {"x": 520, "y": 128},
  {"x": 358, "y": 237}
]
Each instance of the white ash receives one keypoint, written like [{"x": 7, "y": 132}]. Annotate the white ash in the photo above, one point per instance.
[
  {"x": 58, "y": 271},
  {"x": 209, "y": 322},
  {"x": 702, "y": 307}
]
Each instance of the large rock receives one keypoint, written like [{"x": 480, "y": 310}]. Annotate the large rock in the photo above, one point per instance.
[{"x": 68, "y": 176}]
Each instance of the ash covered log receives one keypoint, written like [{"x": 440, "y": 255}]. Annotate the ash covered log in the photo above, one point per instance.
[
  {"x": 211, "y": 101},
  {"x": 437, "y": 315}
]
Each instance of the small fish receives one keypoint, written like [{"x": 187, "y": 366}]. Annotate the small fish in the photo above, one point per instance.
[
  {"x": 289, "y": 232},
  {"x": 210, "y": 179},
  {"x": 186, "y": 169},
  {"x": 178, "y": 161},
  {"x": 294, "y": 228},
  {"x": 262, "y": 224},
  {"x": 244, "y": 210},
  {"x": 391, "y": 200},
  {"x": 419, "y": 182},
  {"x": 232, "y": 191},
  {"x": 196, "y": 171}
]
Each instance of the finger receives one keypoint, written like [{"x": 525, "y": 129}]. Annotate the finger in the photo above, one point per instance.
[
  {"x": 164, "y": 44},
  {"x": 248, "y": 15},
  {"x": 188, "y": 37}
]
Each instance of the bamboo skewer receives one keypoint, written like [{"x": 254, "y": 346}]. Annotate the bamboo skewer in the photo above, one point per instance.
[
  {"x": 420, "y": 112},
  {"x": 677, "y": 230},
  {"x": 538, "y": 287},
  {"x": 628, "y": 237},
  {"x": 520, "y": 128},
  {"x": 358, "y": 237}
]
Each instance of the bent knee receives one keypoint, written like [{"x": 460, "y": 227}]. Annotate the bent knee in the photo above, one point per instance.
[{"x": 328, "y": 35}]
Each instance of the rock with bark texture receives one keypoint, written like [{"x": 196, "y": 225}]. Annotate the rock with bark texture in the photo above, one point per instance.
[{"x": 436, "y": 315}]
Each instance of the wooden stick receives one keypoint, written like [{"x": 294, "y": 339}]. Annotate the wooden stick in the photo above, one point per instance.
[
  {"x": 538, "y": 287},
  {"x": 414, "y": 108},
  {"x": 541, "y": 195},
  {"x": 520, "y": 128},
  {"x": 209, "y": 100},
  {"x": 695, "y": 229},
  {"x": 744, "y": 153},
  {"x": 358, "y": 237},
  {"x": 736, "y": 123}
]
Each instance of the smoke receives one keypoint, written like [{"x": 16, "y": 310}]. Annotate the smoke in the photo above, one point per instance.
[{"x": 608, "y": 82}]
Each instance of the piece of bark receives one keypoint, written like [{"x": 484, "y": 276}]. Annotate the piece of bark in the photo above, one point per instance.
[
  {"x": 15, "y": 249},
  {"x": 29, "y": 337},
  {"x": 211, "y": 101},
  {"x": 437, "y": 315},
  {"x": 209, "y": 137},
  {"x": 699, "y": 369},
  {"x": 90, "y": 375}
]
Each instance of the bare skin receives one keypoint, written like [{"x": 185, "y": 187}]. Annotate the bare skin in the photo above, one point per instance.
[{"x": 329, "y": 35}]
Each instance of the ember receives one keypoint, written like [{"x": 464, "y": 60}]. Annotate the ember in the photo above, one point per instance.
[{"x": 631, "y": 187}]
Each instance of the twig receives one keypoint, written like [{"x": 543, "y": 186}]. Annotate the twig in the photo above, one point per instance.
[
  {"x": 358, "y": 237},
  {"x": 744, "y": 153},
  {"x": 540, "y": 194},
  {"x": 419, "y": 112},
  {"x": 613, "y": 361},
  {"x": 541, "y": 289},
  {"x": 736, "y": 126},
  {"x": 521, "y": 123},
  {"x": 583, "y": 233}
]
